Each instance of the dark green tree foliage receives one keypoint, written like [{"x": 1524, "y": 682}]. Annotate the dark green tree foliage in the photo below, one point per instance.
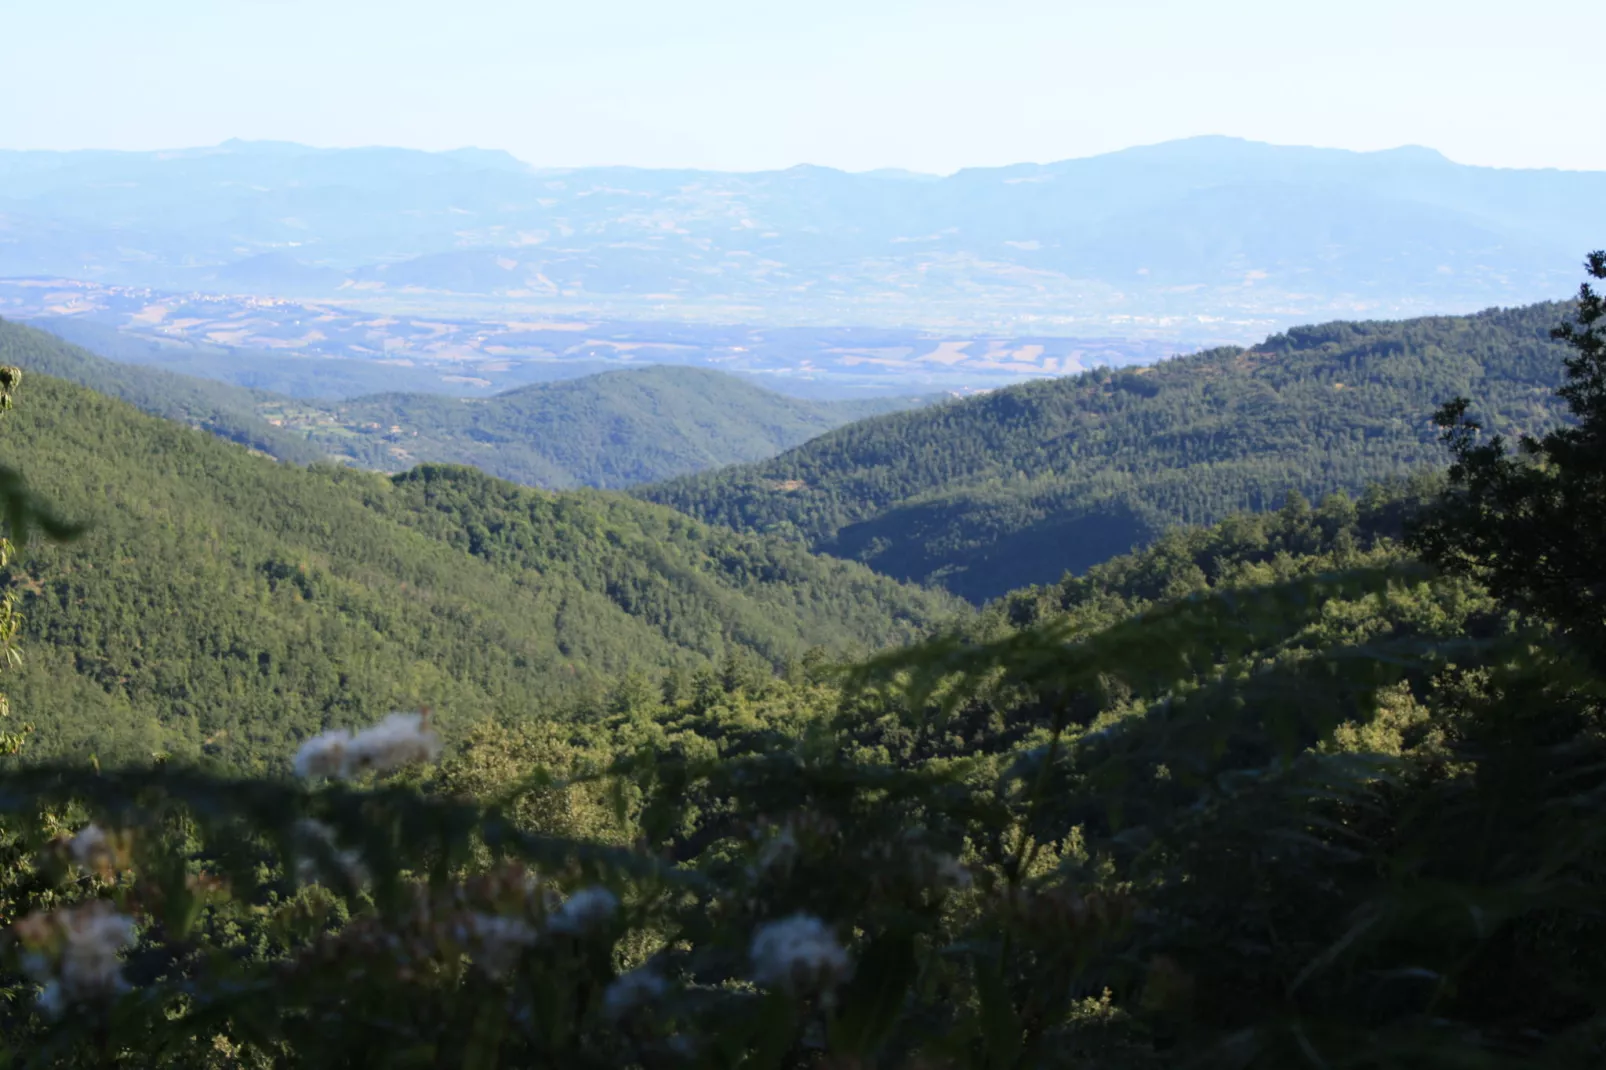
[
  {"x": 223, "y": 602},
  {"x": 1236, "y": 829},
  {"x": 1024, "y": 484},
  {"x": 1244, "y": 550},
  {"x": 1369, "y": 834},
  {"x": 10, "y": 655},
  {"x": 1531, "y": 524}
]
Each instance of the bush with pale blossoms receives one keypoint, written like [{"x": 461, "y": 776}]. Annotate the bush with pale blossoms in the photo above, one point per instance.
[
  {"x": 400, "y": 740},
  {"x": 75, "y": 953},
  {"x": 495, "y": 941},
  {"x": 798, "y": 954},
  {"x": 585, "y": 911},
  {"x": 91, "y": 849}
]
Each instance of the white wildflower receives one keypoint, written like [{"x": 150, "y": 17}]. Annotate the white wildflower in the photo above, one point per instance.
[
  {"x": 798, "y": 954},
  {"x": 92, "y": 849},
  {"x": 496, "y": 940},
  {"x": 585, "y": 910},
  {"x": 323, "y": 755},
  {"x": 632, "y": 990},
  {"x": 399, "y": 740},
  {"x": 309, "y": 868},
  {"x": 87, "y": 942}
]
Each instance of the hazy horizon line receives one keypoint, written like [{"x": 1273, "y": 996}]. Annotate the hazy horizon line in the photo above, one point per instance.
[{"x": 802, "y": 165}]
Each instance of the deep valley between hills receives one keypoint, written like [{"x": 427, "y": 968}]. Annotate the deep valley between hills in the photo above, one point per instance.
[
  {"x": 831, "y": 536},
  {"x": 976, "y": 495},
  {"x": 1144, "y": 682},
  {"x": 329, "y": 591}
]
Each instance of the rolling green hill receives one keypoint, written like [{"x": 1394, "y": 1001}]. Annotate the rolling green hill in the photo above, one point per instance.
[
  {"x": 225, "y": 601},
  {"x": 615, "y": 429},
  {"x": 1018, "y": 486},
  {"x": 227, "y": 411},
  {"x": 612, "y": 429}
]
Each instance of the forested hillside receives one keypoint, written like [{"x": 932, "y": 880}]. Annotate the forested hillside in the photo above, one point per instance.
[
  {"x": 1253, "y": 795},
  {"x": 226, "y": 411},
  {"x": 223, "y": 600},
  {"x": 1016, "y": 487},
  {"x": 615, "y": 429},
  {"x": 612, "y": 429}
]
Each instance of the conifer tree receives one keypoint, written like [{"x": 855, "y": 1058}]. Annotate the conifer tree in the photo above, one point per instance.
[{"x": 1530, "y": 522}]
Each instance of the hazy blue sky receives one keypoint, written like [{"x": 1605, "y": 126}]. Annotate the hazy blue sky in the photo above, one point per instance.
[{"x": 933, "y": 85}]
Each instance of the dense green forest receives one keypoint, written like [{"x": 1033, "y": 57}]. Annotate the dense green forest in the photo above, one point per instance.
[
  {"x": 986, "y": 494},
  {"x": 611, "y": 430},
  {"x": 222, "y": 600}
]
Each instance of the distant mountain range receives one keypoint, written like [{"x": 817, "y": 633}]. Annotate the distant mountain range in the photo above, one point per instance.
[{"x": 1208, "y": 239}]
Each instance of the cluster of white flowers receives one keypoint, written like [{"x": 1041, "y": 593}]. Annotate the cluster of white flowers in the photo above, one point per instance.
[
  {"x": 496, "y": 940},
  {"x": 798, "y": 954},
  {"x": 399, "y": 740},
  {"x": 92, "y": 849},
  {"x": 633, "y": 990},
  {"x": 308, "y": 868},
  {"x": 585, "y": 910},
  {"x": 74, "y": 954}
]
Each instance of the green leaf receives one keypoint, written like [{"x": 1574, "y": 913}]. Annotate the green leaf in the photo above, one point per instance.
[
  {"x": 1000, "y": 1023},
  {"x": 874, "y": 1000},
  {"x": 773, "y": 1028}
]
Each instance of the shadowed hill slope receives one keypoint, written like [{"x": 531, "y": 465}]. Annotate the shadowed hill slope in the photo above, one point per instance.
[{"x": 1018, "y": 486}]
